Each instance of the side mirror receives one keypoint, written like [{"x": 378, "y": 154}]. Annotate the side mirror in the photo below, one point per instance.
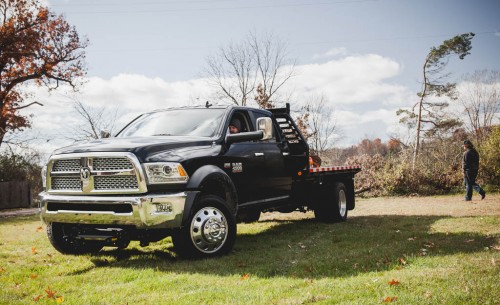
[
  {"x": 266, "y": 125},
  {"x": 244, "y": 136},
  {"x": 105, "y": 134}
]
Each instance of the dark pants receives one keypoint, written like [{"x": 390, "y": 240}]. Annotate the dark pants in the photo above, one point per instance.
[{"x": 470, "y": 184}]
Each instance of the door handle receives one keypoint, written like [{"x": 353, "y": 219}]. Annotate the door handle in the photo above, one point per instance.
[
  {"x": 259, "y": 154},
  {"x": 286, "y": 154}
]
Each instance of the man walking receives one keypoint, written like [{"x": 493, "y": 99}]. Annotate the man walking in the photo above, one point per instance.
[{"x": 470, "y": 165}]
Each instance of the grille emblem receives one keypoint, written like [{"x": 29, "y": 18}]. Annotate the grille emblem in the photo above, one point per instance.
[{"x": 84, "y": 173}]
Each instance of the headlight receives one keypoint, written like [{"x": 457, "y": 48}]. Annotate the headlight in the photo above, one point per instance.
[
  {"x": 165, "y": 172},
  {"x": 44, "y": 177}
]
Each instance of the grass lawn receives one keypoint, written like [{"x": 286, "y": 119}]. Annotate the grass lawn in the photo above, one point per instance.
[{"x": 431, "y": 250}]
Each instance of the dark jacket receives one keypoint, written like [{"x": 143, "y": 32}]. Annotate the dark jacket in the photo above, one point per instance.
[{"x": 470, "y": 160}]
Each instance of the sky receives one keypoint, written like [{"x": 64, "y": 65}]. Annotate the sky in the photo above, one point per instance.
[{"x": 364, "y": 56}]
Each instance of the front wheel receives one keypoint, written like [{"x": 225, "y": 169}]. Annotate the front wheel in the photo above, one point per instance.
[
  {"x": 332, "y": 206},
  {"x": 210, "y": 230},
  {"x": 62, "y": 238}
]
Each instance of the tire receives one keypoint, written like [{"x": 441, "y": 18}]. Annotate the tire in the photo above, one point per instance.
[
  {"x": 209, "y": 232},
  {"x": 62, "y": 240},
  {"x": 248, "y": 217},
  {"x": 332, "y": 204}
]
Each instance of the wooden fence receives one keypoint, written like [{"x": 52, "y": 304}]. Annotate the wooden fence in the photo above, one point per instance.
[{"x": 15, "y": 194}]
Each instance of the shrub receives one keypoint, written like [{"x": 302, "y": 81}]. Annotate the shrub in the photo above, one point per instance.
[
  {"x": 14, "y": 167},
  {"x": 490, "y": 159}
]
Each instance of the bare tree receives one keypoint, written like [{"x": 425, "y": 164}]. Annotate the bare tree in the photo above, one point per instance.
[
  {"x": 274, "y": 68},
  {"x": 94, "y": 120},
  {"x": 237, "y": 70},
  {"x": 232, "y": 72},
  {"x": 480, "y": 97},
  {"x": 322, "y": 124}
]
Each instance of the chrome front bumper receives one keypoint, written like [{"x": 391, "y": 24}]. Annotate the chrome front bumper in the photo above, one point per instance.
[{"x": 148, "y": 211}]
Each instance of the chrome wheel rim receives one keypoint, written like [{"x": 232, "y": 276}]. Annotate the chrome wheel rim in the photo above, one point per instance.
[
  {"x": 209, "y": 230},
  {"x": 342, "y": 203}
]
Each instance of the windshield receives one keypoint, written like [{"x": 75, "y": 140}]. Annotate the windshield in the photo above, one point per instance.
[{"x": 181, "y": 122}]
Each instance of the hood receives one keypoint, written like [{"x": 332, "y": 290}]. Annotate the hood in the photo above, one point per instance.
[{"x": 173, "y": 148}]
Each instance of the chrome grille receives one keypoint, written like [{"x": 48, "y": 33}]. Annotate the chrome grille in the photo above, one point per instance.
[
  {"x": 66, "y": 183},
  {"x": 66, "y": 165},
  {"x": 111, "y": 164},
  {"x": 95, "y": 173},
  {"x": 115, "y": 182}
]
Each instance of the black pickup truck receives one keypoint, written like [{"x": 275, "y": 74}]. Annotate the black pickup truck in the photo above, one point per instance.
[{"x": 179, "y": 172}]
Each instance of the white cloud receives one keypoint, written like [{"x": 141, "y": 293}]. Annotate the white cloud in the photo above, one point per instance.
[
  {"x": 358, "y": 87},
  {"x": 353, "y": 79}
]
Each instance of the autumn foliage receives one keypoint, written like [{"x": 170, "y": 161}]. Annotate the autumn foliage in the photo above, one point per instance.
[{"x": 36, "y": 46}]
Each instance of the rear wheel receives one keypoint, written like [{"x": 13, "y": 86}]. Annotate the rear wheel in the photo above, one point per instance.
[
  {"x": 210, "y": 230},
  {"x": 62, "y": 237},
  {"x": 332, "y": 204}
]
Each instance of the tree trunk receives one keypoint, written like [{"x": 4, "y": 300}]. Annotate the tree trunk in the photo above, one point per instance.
[{"x": 419, "y": 117}]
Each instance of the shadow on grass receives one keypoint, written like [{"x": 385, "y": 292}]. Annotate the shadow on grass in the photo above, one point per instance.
[{"x": 308, "y": 249}]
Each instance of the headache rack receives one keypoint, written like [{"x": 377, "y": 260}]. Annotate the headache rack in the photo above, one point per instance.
[{"x": 296, "y": 142}]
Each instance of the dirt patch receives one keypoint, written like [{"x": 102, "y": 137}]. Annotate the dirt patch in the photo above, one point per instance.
[
  {"x": 438, "y": 206},
  {"x": 18, "y": 212}
]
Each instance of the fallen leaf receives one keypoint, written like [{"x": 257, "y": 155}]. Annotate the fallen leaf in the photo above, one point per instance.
[
  {"x": 51, "y": 294},
  {"x": 33, "y": 276},
  {"x": 2, "y": 270},
  {"x": 423, "y": 252},
  {"x": 429, "y": 244},
  {"x": 38, "y": 297},
  {"x": 17, "y": 285},
  {"x": 402, "y": 261},
  {"x": 290, "y": 247},
  {"x": 393, "y": 282},
  {"x": 308, "y": 269},
  {"x": 468, "y": 241},
  {"x": 493, "y": 261},
  {"x": 33, "y": 250},
  {"x": 390, "y": 299},
  {"x": 59, "y": 300},
  {"x": 39, "y": 229},
  {"x": 428, "y": 294},
  {"x": 245, "y": 277},
  {"x": 412, "y": 238},
  {"x": 496, "y": 248}
]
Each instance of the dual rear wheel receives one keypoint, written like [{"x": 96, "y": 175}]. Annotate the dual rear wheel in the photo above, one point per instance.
[{"x": 331, "y": 205}]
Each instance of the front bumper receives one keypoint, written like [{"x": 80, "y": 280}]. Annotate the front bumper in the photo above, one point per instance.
[{"x": 143, "y": 212}]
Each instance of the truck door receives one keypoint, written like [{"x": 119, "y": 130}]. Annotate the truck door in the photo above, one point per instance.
[
  {"x": 277, "y": 181},
  {"x": 245, "y": 163}
]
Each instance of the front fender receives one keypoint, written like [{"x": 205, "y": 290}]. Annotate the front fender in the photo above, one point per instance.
[{"x": 210, "y": 179}]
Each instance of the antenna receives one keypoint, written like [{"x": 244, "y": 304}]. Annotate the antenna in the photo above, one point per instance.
[{"x": 207, "y": 104}]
